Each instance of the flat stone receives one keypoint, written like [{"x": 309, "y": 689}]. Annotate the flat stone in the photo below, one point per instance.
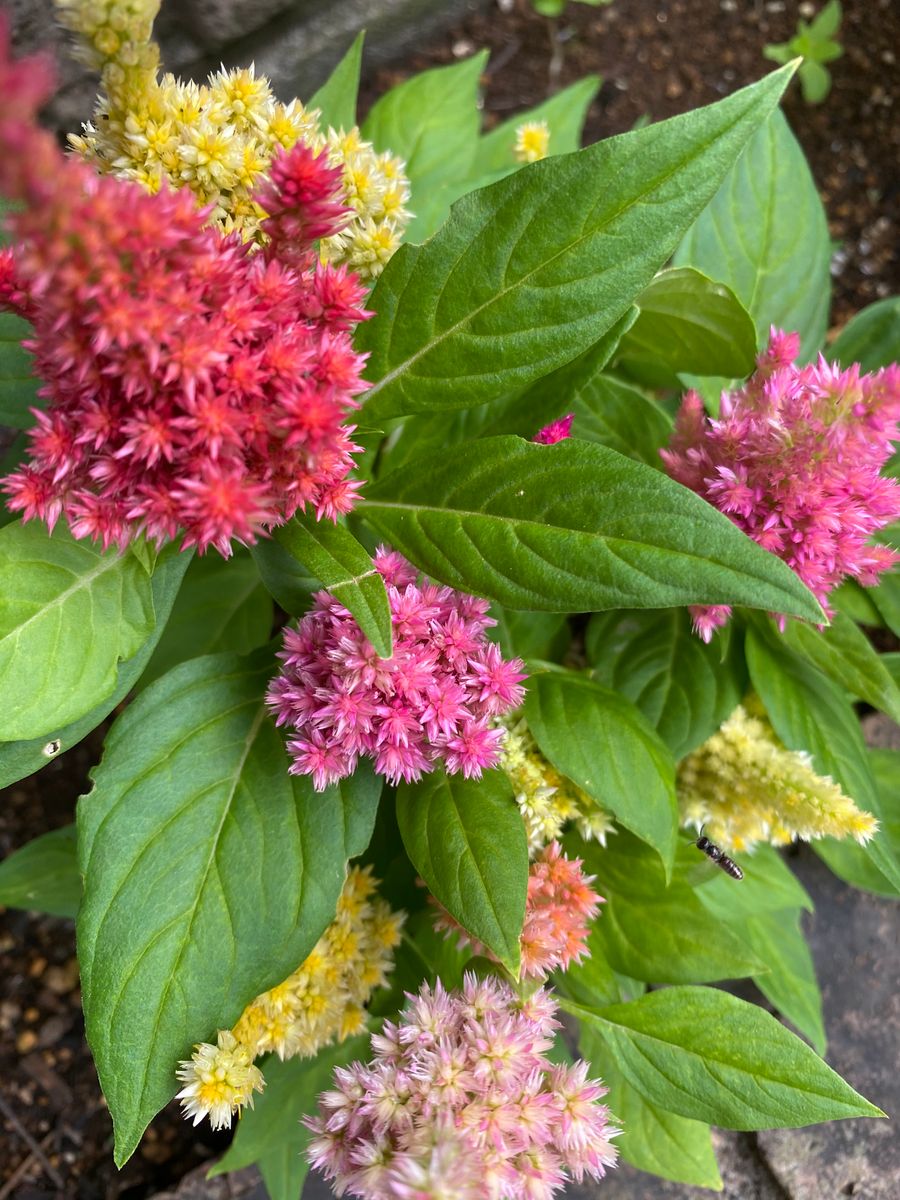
[{"x": 217, "y": 22}]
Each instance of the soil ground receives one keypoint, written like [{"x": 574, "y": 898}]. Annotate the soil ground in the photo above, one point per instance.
[{"x": 657, "y": 58}]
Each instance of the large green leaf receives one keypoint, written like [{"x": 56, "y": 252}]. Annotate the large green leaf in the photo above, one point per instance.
[
  {"x": 69, "y": 614},
  {"x": 844, "y": 653},
  {"x": 790, "y": 982},
  {"x": 769, "y": 885},
  {"x": 209, "y": 874},
  {"x": 21, "y": 758},
  {"x": 691, "y": 323},
  {"x": 851, "y": 862},
  {"x": 221, "y": 605},
  {"x": 765, "y": 235},
  {"x": 572, "y": 528},
  {"x": 652, "y": 1140},
  {"x": 431, "y": 121},
  {"x": 529, "y": 272},
  {"x": 334, "y": 556},
  {"x": 43, "y": 875},
  {"x": 871, "y": 338},
  {"x": 336, "y": 98},
  {"x": 809, "y": 713},
  {"x": 466, "y": 838},
  {"x": 605, "y": 410},
  {"x": 707, "y": 1056},
  {"x": 685, "y": 687},
  {"x": 18, "y": 386},
  {"x": 564, "y": 113},
  {"x": 603, "y": 744},
  {"x": 271, "y": 1133}
]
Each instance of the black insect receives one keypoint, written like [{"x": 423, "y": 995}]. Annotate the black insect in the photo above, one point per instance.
[{"x": 719, "y": 857}]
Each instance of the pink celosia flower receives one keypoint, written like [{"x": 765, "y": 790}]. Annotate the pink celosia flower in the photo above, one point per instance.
[
  {"x": 558, "y": 910},
  {"x": 192, "y": 384},
  {"x": 434, "y": 699},
  {"x": 461, "y": 1103},
  {"x": 556, "y": 431},
  {"x": 794, "y": 461}
]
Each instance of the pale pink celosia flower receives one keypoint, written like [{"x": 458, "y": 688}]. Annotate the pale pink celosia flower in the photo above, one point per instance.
[
  {"x": 434, "y": 700},
  {"x": 558, "y": 911},
  {"x": 192, "y": 385},
  {"x": 556, "y": 431},
  {"x": 460, "y": 1102},
  {"x": 794, "y": 461}
]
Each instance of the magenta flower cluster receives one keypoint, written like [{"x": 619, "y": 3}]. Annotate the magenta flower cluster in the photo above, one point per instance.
[
  {"x": 194, "y": 384},
  {"x": 461, "y": 1102},
  {"x": 794, "y": 460},
  {"x": 434, "y": 699}
]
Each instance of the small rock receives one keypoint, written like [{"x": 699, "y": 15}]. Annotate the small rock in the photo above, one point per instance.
[{"x": 27, "y": 1040}]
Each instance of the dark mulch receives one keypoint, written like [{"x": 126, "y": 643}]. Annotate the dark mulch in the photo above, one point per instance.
[{"x": 656, "y": 58}]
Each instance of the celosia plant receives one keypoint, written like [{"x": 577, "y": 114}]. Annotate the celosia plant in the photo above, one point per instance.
[{"x": 509, "y": 705}]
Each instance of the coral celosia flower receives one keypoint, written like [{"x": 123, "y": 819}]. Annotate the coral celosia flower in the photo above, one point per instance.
[
  {"x": 532, "y": 141},
  {"x": 192, "y": 386},
  {"x": 556, "y": 431},
  {"x": 794, "y": 461},
  {"x": 434, "y": 700},
  {"x": 460, "y": 1102},
  {"x": 547, "y": 800},
  {"x": 321, "y": 1002},
  {"x": 220, "y": 138},
  {"x": 558, "y": 910},
  {"x": 218, "y": 1081},
  {"x": 742, "y": 786}
]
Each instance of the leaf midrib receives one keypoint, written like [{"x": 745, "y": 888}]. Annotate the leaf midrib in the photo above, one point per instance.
[{"x": 81, "y": 581}]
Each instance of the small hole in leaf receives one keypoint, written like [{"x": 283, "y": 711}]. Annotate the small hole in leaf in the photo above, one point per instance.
[{"x": 52, "y": 748}]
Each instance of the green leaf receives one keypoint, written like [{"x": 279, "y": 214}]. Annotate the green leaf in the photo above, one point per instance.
[
  {"x": 826, "y": 23},
  {"x": 271, "y": 1134},
  {"x": 809, "y": 713},
  {"x": 851, "y": 862},
  {"x": 790, "y": 982},
  {"x": 684, "y": 686},
  {"x": 431, "y": 121},
  {"x": 69, "y": 614},
  {"x": 591, "y": 980},
  {"x": 765, "y": 235},
  {"x": 530, "y": 634},
  {"x": 287, "y": 581},
  {"x": 844, "y": 653},
  {"x": 690, "y": 323},
  {"x": 18, "y": 386},
  {"x": 603, "y": 744},
  {"x": 43, "y": 875},
  {"x": 653, "y": 1140},
  {"x": 21, "y": 758},
  {"x": 336, "y": 98},
  {"x": 466, "y": 838},
  {"x": 768, "y": 886},
  {"x": 572, "y": 528},
  {"x": 815, "y": 80},
  {"x": 564, "y": 113},
  {"x": 334, "y": 555},
  {"x": 610, "y": 414},
  {"x": 871, "y": 338},
  {"x": 209, "y": 874},
  {"x": 529, "y": 272},
  {"x": 671, "y": 938},
  {"x": 707, "y": 1056},
  {"x": 221, "y": 606}
]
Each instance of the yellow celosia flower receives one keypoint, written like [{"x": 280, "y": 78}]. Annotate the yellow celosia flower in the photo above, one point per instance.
[
  {"x": 546, "y": 798},
  {"x": 322, "y": 1001},
  {"x": 532, "y": 141},
  {"x": 218, "y": 138},
  {"x": 219, "y": 1080},
  {"x": 743, "y": 786}
]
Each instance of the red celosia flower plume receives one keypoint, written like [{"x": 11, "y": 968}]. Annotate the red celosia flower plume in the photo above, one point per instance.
[
  {"x": 794, "y": 460},
  {"x": 193, "y": 384}
]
